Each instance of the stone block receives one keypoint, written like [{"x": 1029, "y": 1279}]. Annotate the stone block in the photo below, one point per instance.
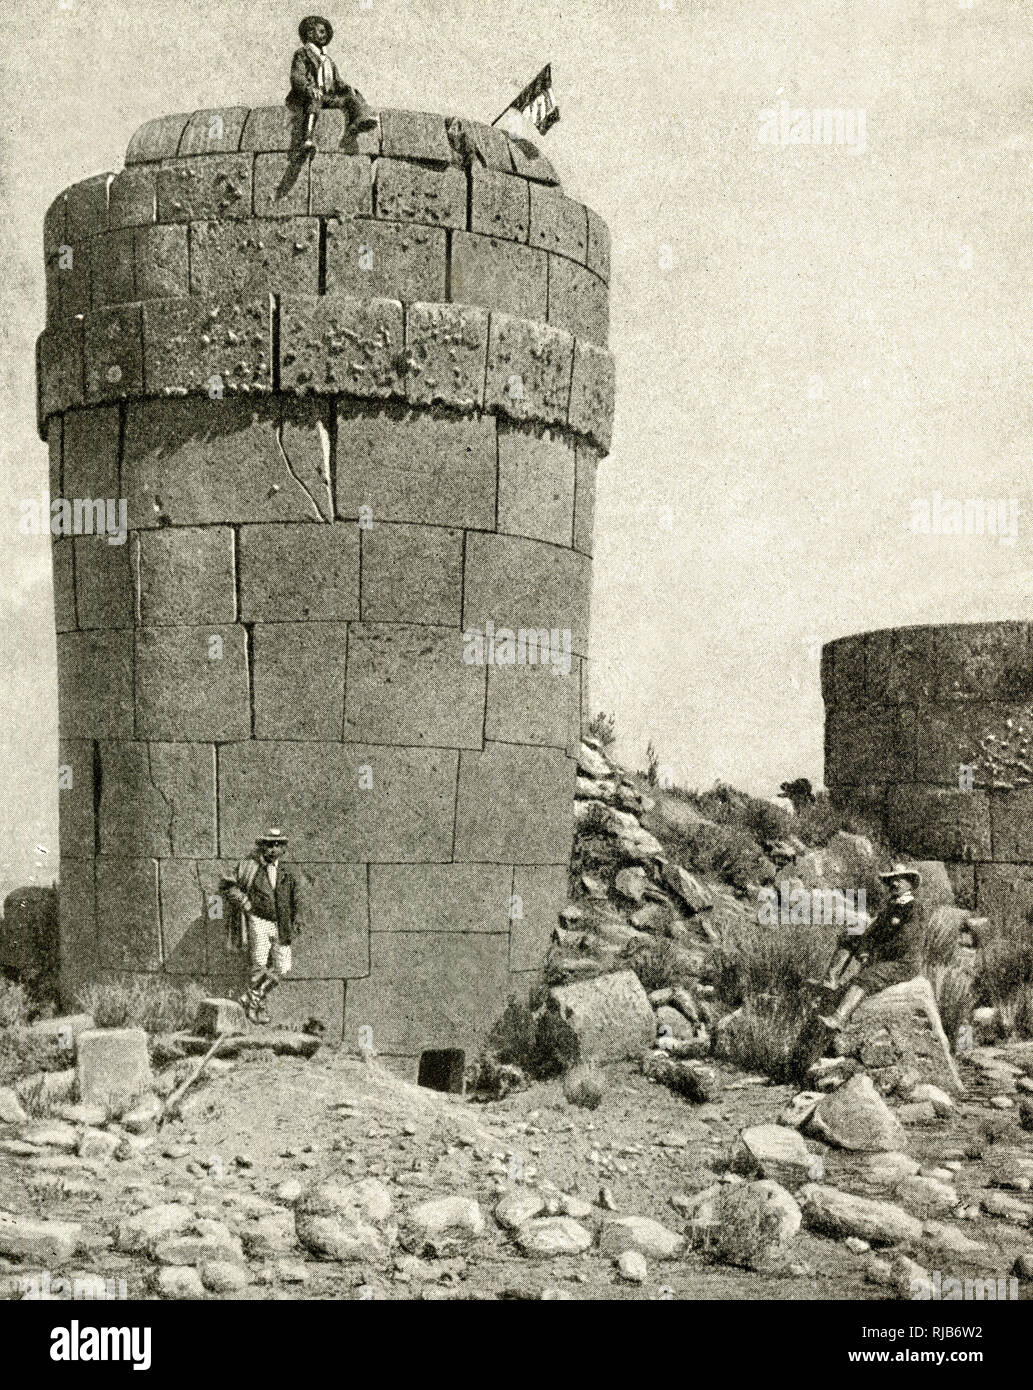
[
  {"x": 412, "y": 574},
  {"x": 1011, "y": 822},
  {"x": 501, "y": 275},
  {"x": 71, "y": 271},
  {"x": 440, "y": 897},
  {"x": 192, "y": 683},
  {"x": 192, "y": 345},
  {"x": 385, "y": 260},
  {"x": 515, "y": 806},
  {"x": 217, "y": 1018},
  {"x": 86, "y": 208},
  {"x": 500, "y": 205},
  {"x": 298, "y": 678},
  {"x": 113, "y": 353},
  {"x": 103, "y": 583},
  {"x": 77, "y": 931},
  {"x": 189, "y": 463},
  {"x": 59, "y": 366},
  {"x": 518, "y": 583},
  {"x": 427, "y": 991},
  {"x": 95, "y": 684},
  {"x": 598, "y": 254},
  {"x": 213, "y": 132},
  {"x": 346, "y": 803},
  {"x": 947, "y": 739},
  {"x": 478, "y": 145},
  {"x": 132, "y": 198},
  {"x": 1004, "y": 893},
  {"x": 587, "y": 463},
  {"x": 128, "y": 921},
  {"x": 75, "y": 798},
  {"x": 963, "y": 883},
  {"x": 112, "y": 1062},
  {"x": 157, "y": 139},
  {"x": 185, "y": 574},
  {"x": 591, "y": 394},
  {"x": 536, "y": 485},
  {"x": 408, "y": 685},
  {"x": 578, "y": 301},
  {"x": 156, "y": 800},
  {"x": 290, "y": 572},
  {"x": 162, "y": 262},
  {"x": 529, "y": 367},
  {"x": 62, "y": 563},
  {"x": 558, "y": 223},
  {"x": 216, "y": 187},
  {"x": 899, "y": 1029},
  {"x": 414, "y": 193},
  {"x": 415, "y": 135},
  {"x": 610, "y": 1017},
  {"x": 91, "y": 453},
  {"x": 530, "y": 163},
  {"x": 842, "y": 671},
  {"x": 538, "y": 895},
  {"x": 415, "y": 466},
  {"x": 263, "y": 255},
  {"x": 341, "y": 185},
  {"x": 193, "y": 922},
  {"x": 334, "y": 942},
  {"x": 112, "y": 278},
  {"x": 939, "y": 823},
  {"x": 342, "y": 345},
  {"x": 446, "y": 352},
  {"x": 869, "y": 744},
  {"x": 54, "y": 222},
  {"x": 535, "y": 704},
  {"x": 984, "y": 661}
]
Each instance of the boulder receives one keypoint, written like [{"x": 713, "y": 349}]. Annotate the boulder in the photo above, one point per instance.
[
  {"x": 639, "y": 1233},
  {"x": 271, "y": 1235},
  {"x": 855, "y": 1116},
  {"x": 898, "y": 1032},
  {"x": 686, "y": 887},
  {"x": 221, "y": 1276},
  {"x": 632, "y": 883},
  {"x": 685, "y": 1077},
  {"x": 926, "y": 1197},
  {"x": 11, "y": 1111},
  {"x": 181, "y": 1283},
  {"x": 773, "y": 1151},
  {"x": 834, "y": 1213},
  {"x": 47, "y": 1243},
  {"x": 216, "y": 1017},
  {"x": 608, "y": 1018},
  {"x": 346, "y": 1221},
  {"x": 800, "y": 1109},
  {"x": 552, "y": 1235},
  {"x": 112, "y": 1064},
  {"x": 632, "y": 1267},
  {"x": 441, "y": 1219},
  {"x": 941, "y": 1102},
  {"x": 138, "y": 1234},
  {"x": 519, "y": 1207},
  {"x": 748, "y": 1224},
  {"x": 675, "y": 1023},
  {"x": 593, "y": 764}
]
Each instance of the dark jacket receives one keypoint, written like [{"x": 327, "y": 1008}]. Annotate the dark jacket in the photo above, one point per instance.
[
  {"x": 893, "y": 944},
  {"x": 249, "y": 891},
  {"x": 305, "y": 80}
]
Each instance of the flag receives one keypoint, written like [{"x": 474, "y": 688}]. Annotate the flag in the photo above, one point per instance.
[{"x": 536, "y": 102}]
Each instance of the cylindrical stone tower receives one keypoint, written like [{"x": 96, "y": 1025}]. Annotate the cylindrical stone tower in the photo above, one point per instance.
[
  {"x": 929, "y": 730},
  {"x": 354, "y": 405}
]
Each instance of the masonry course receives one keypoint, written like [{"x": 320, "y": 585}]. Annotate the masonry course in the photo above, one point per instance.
[{"x": 355, "y": 405}]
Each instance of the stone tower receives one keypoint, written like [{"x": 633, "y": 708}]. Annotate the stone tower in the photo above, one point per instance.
[
  {"x": 928, "y": 731},
  {"x": 354, "y": 406}
]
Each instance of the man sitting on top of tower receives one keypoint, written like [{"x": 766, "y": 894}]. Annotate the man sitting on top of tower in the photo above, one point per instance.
[{"x": 315, "y": 83}]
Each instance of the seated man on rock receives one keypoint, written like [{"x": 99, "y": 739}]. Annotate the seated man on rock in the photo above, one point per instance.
[
  {"x": 316, "y": 83},
  {"x": 889, "y": 951}
]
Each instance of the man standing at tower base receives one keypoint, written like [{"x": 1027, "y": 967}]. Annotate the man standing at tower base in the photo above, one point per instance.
[{"x": 265, "y": 908}]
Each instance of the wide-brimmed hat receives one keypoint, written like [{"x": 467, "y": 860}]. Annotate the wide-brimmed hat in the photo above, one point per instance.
[
  {"x": 272, "y": 836},
  {"x": 311, "y": 19},
  {"x": 901, "y": 871}
]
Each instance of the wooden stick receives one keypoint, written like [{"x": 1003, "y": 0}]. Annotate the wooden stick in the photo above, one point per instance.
[{"x": 180, "y": 1091}]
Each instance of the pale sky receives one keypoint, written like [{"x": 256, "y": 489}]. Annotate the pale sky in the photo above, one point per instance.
[{"x": 808, "y": 340}]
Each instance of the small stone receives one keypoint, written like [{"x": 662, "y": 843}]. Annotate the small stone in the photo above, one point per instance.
[
  {"x": 857, "y": 1245},
  {"x": 11, "y": 1112},
  {"x": 632, "y": 1266},
  {"x": 222, "y": 1276},
  {"x": 181, "y": 1283},
  {"x": 552, "y": 1235},
  {"x": 639, "y": 1233}
]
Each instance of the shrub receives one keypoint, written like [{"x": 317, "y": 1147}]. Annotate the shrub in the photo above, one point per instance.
[
  {"x": 750, "y": 960},
  {"x": 658, "y": 963},
  {"x": 584, "y": 1085},
  {"x": 14, "y": 1005},
  {"x": 603, "y": 729},
  {"x": 765, "y": 1036},
  {"x": 151, "y": 1002},
  {"x": 23, "y": 1052},
  {"x": 535, "y": 1040}
]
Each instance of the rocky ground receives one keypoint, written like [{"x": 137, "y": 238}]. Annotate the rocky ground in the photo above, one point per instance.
[{"x": 668, "y": 1171}]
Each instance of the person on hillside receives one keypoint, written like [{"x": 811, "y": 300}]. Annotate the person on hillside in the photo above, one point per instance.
[
  {"x": 890, "y": 949},
  {"x": 265, "y": 911},
  {"x": 316, "y": 83}
]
